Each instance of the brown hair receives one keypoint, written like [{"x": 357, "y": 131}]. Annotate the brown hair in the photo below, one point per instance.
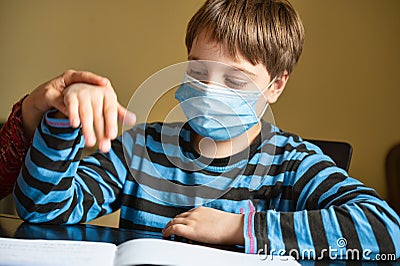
[{"x": 269, "y": 32}]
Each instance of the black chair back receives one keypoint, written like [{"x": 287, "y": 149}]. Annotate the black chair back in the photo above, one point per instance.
[
  {"x": 339, "y": 151},
  {"x": 393, "y": 177}
]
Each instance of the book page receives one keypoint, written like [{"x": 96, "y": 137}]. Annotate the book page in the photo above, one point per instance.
[
  {"x": 165, "y": 252},
  {"x": 55, "y": 252}
]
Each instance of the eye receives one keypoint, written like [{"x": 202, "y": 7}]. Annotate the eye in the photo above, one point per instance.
[
  {"x": 235, "y": 83},
  {"x": 197, "y": 73}
]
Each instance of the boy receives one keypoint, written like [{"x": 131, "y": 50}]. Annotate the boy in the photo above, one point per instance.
[{"x": 301, "y": 202}]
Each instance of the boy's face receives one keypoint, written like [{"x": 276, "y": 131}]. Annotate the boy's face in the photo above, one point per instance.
[{"x": 233, "y": 73}]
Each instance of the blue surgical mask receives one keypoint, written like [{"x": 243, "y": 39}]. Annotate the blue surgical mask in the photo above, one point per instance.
[{"x": 218, "y": 112}]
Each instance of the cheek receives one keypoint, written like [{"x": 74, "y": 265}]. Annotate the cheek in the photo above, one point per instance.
[{"x": 262, "y": 101}]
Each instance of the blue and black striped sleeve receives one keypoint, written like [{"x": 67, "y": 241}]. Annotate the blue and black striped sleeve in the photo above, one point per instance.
[
  {"x": 334, "y": 216},
  {"x": 56, "y": 186}
]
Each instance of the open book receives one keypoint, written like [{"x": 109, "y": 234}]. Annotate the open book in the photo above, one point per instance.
[{"x": 133, "y": 252}]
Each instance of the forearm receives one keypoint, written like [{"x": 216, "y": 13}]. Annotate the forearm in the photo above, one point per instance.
[
  {"x": 328, "y": 222},
  {"x": 326, "y": 209},
  {"x": 45, "y": 188},
  {"x": 13, "y": 147},
  {"x": 354, "y": 231},
  {"x": 31, "y": 115},
  {"x": 56, "y": 187}
]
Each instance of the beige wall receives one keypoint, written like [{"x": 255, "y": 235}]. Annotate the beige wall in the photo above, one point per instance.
[{"x": 345, "y": 87}]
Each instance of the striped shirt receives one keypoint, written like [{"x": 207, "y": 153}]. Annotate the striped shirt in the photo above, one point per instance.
[{"x": 294, "y": 198}]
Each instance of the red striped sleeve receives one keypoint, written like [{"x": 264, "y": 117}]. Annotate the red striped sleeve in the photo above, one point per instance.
[{"x": 13, "y": 147}]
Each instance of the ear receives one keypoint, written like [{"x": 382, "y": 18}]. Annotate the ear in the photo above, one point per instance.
[{"x": 277, "y": 88}]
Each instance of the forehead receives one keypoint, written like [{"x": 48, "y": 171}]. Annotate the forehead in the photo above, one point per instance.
[{"x": 203, "y": 48}]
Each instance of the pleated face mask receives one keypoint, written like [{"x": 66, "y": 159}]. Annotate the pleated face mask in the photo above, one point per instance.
[{"x": 217, "y": 112}]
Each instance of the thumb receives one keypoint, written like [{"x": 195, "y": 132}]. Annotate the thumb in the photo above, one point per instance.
[{"x": 58, "y": 103}]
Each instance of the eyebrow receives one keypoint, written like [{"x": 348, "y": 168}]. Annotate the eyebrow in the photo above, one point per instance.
[
  {"x": 235, "y": 68},
  {"x": 193, "y": 58},
  {"x": 238, "y": 69}
]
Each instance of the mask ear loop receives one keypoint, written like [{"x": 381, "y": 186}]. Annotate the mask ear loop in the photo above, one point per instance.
[
  {"x": 262, "y": 92},
  {"x": 269, "y": 85}
]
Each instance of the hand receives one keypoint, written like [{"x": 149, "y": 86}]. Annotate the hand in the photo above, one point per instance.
[
  {"x": 49, "y": 95},
  {"x": 208, "y": 225},
  {"x": 96, "y": 106}
]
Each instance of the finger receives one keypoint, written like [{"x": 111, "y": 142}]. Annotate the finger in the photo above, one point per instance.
[
  {"x": 71, "y": 76},
  {"x": 104, "y": 143},
  {"x": 175, "y": 221},
  {"x": 166, "y": 232},
  {"x": 175, "y": 229},
  {"x": 72, "y": 104},
  {"x": 86, "y": 117},
  {"x": 183, "y": 215},
  {"x": 97, "y": 107},
  {"x": 125, "y": 116},
  {"x": 111, "y": 116},
  {"x": 178, "y": 220}
]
